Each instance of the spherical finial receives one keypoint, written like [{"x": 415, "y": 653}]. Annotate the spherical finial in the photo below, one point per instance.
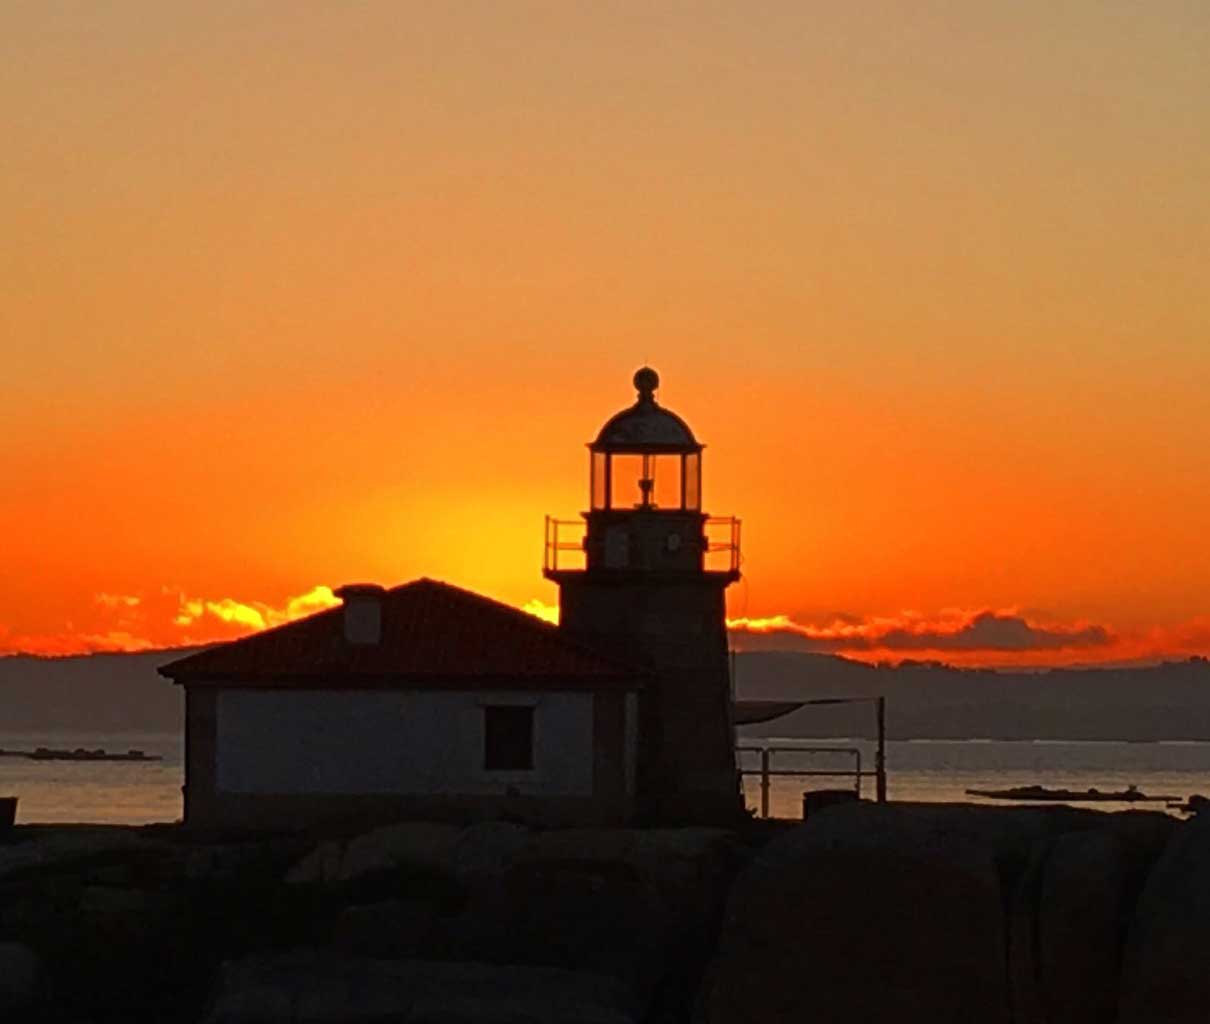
[{"x": 646, "y": 380}]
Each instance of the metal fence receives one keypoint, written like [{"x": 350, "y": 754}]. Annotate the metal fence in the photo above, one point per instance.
[{"x": 766, "y": 772}]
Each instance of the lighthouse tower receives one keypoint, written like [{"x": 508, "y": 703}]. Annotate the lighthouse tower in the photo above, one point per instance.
[{"x": 643, "y": 578}]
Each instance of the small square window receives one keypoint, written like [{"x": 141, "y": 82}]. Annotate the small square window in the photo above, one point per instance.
[{"x": 508, "y": 738}]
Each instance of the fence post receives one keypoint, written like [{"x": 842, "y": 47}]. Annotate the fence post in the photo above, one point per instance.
[
  {"x": 880, "y": 756},
  {"x": 764, "y": 782}
]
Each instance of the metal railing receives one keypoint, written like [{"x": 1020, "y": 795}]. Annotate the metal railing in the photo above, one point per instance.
[
  {"x": 722, "y": 539},
  {"x": 766, "y": 773},
  {"x": 559, "y": 538},
  {"x": 563, "y": 545}
]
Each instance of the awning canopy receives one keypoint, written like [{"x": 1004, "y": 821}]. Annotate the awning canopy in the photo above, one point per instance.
[{"x": 753, "y": 712}]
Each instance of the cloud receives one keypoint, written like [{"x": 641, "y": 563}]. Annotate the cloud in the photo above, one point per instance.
[
  {"x": 117, "y": 640},
  {"x": 984, "y": 632},
  {"x": 993, "y": 631},
  {"x": 163, "y": 618},
  {"x": 170, "y": 617},
  {"x": 67, "y": 643},
  {"x": 117, "y": 600},
  {"x": 253, "y": 615},
  {"x": 542, "y": 610}
]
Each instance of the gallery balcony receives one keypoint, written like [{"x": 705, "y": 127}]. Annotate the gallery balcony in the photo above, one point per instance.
[{"x": 651, "y": 542}]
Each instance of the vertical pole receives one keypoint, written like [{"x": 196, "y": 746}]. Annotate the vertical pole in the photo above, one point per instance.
[
  {"x": 764, "y": 782},
  {"x": 880, "y": 757}
]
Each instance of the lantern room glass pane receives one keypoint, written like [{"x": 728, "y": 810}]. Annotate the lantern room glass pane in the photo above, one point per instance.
[
  {"x": 693, "y": 482},
  {"x": 625, "y": 472},
  {"x": 666, "y": 472},
  {"x": 645, "y": 481},
  {"x": 600, "y": 480}
]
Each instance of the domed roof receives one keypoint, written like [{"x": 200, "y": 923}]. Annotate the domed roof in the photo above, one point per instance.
[{"x": 646, "y": 426}]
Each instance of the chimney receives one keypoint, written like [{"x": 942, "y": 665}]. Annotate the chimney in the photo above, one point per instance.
[{"x": 363, "y": 612}]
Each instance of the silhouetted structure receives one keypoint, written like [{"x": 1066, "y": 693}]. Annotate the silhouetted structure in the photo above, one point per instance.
[
  {"x": 428, "y": 700},
  {"x": 650, "y": 589},
  {"x": 425, "y": 700}
]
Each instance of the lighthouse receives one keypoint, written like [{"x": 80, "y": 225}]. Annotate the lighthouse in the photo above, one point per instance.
[{"x": 643, "y": 578}]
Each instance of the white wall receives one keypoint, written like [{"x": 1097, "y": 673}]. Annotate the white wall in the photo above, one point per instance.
[{"x": 394, "y": 741}]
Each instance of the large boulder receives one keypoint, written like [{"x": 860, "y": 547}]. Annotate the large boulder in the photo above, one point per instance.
[
  {"x": 599, "y": 917},
  {"x": 1080, "y": 927},
  {"x": 640, "y": 906},
  {"x": 389, "y": 928},
  {"x": 1066, "y": 932},
  {"x": 488, "y": 848},
  {"x": 1024, "y": 984},
  {"x": 20, "y": 974},
  {"x": 1069, "y": 915},
  {"x": 310, "y": 988},
  {"x": 687, "y": 869},
  {"x": 877, "y": 912},
  {"x": 1164, "y": 976},
  {"x": 230, "y": 862},
  {"x": 60, "y": 847},
  {"x": 418, "y": 845}
]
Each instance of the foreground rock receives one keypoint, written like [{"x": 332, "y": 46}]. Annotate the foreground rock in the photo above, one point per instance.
[
  {"x": 422, "y": 846},
  {"x": 20, "y": 973},
  {"x": 1164, "y": 974},
  {"x": 639, "y": 906},
  {"x": 51, "y": 848},
  {"x": 872, "y": 913},
  {"x": 1069, "y": 917},
  {"x": 311, "y": 988}
]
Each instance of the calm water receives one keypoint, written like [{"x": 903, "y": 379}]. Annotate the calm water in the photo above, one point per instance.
[
  {"x": 109, "y": 792},
  {"x": 132, "y": 793}
]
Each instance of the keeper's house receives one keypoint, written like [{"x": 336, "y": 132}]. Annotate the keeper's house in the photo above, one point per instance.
[{"x": 425, "y": 700}]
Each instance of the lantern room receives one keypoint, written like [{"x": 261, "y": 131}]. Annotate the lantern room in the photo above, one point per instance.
[
  {"x": 645, "y": 513},
  {"x": 646, "y": 457}
]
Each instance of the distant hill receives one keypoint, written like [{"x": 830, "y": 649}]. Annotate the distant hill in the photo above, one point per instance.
[
  {"x": 1168, "y": 701},
  {"x": 101, "y": 693},
  {"x": 95, "y": 693}
]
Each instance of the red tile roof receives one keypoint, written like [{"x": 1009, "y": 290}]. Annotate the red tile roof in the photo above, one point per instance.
[{"x": 433, "y": 634}]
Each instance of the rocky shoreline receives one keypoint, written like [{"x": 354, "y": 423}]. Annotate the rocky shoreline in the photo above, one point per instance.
[{"x": 933, "y": 913}]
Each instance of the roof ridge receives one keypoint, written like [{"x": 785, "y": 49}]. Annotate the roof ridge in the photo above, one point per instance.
[
  {"x": 549, "y": 629},
  {"x": 462, "y": 624}
]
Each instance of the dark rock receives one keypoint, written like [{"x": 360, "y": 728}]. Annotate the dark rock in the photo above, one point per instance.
[
  {"x": 1024, "y": 971},
  {"x": 20, "y": 975},
  {"x": 489, "y": 847},
  {"x": 391, "y": 928},
  {"x": 603, "y": 918},
  {"x": 1067, "y": 928},
  {"x": 878, "y": 912},
  {"x": 64, "y": 847},
  {"x": 104, "y": 900},
  {"x": 1164, "y": 976},
  {"x": 310, "y": 988},
  {"x": 421, "y": 845},
  {"x": 230, "y": 862},
  {"x": 1080, "y": 927}
]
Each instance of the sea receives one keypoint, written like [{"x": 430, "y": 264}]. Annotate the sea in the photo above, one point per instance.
[{"x": 136, "y": 793}]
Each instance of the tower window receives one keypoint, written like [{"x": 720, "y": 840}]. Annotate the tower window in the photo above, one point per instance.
[{"x": 508, "y": 738}]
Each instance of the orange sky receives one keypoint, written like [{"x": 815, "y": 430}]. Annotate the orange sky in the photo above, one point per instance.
[{"x": 298, "y": 294}]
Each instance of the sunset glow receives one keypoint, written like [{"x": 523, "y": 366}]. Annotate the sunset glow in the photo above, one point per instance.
[{"x": 287, "y": 303}]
